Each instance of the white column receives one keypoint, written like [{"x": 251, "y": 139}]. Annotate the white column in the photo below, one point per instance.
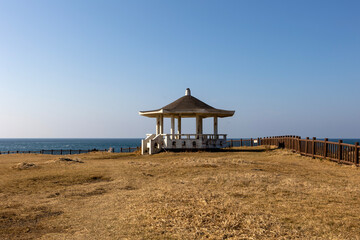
[
  {"x": 198, "y": 125},
  {"x": 172, "y": 130},
  {"x": 161, "y": 124},
  {"x": 157, "y": 125},
  {"x": 216, "y": 126},
  {"x": 179, "y": 126}
]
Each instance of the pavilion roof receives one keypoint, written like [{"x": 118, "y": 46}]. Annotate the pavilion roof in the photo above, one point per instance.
[{"x": 188, "y": 106}]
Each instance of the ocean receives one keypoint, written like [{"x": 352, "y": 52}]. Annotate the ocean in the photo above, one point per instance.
[
  {"x": 345, "y": 140},
  {"x": 38, "y": 144}
]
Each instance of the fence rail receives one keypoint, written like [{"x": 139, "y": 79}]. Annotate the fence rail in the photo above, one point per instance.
[
  {"x": 244, "y": 142},
  {"x": 70, "y": 151},
  {"x": 335, "y": 151}
]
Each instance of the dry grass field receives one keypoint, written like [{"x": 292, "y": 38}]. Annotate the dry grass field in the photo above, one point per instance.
[{"x": 243, "y": 194}]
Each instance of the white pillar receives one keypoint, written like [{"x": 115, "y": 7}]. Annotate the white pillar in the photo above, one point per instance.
[
  {"x": 198, "y": 125},
  {"x": 172, "y": 130},
  {"x": 216, "y": 125},
  {"x": 157, "y": 125},
  {"x": 179, "y": 126},
  {"x": 161, "y": 124}
]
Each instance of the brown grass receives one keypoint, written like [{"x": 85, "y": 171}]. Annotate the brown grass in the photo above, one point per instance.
[{"x": 272, "y": 194}]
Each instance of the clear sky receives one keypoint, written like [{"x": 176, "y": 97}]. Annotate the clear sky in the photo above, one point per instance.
[{"x": 72, "y": 68}]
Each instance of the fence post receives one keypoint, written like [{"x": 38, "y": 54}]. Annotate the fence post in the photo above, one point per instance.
[
  {"x": 356, "y": 153},
  {"x": 251, "y": 142},
  {"x": 339, "y": 151},
  {"x": 313, "y": 147},
  {"x": 325, "y": 147},
  {"x": 231, "y": 143},
  {"x": 294, "y": 143},
  {"x": 281, "y": 138},
  {"x": 241, "y": 143},
  {"x": 299, "y": 144},
  {"x": 287, "y": 144},
  {"x": 121, "y": 149},
  {"x": 60, "y": 151},
  {"x": 290, "y": 141},
  {"x": 258, "y": 142},
  {"x": 306, "y": 145}
]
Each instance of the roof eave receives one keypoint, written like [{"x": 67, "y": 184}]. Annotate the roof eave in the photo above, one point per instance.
[
  {"x": 151, "y": 113},
  {"x": 190, "y": 113}
]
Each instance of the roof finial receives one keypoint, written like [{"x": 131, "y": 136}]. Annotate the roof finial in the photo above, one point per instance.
[{"x": 187, "y": 92}]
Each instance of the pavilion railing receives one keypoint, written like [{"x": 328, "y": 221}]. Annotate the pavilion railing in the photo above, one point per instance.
[
  {"x": 198, "y": 136},
  {"x": 195, "y": 136}
]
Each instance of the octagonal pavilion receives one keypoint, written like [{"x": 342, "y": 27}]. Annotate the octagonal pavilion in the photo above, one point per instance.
[{"x": 184, "y": 107}]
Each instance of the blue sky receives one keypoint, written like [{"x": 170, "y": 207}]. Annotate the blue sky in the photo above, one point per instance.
[{"x": 85, "y": 68}]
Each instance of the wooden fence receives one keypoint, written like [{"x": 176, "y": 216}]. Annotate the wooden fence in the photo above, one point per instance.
[
  {"x": 70, "y": 151},
  {"x": 335, "y": 151},
  {"x": 244, "y": 142}
]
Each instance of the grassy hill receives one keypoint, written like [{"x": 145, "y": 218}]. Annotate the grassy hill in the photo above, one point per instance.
[{"x": 240, "y": 194}]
